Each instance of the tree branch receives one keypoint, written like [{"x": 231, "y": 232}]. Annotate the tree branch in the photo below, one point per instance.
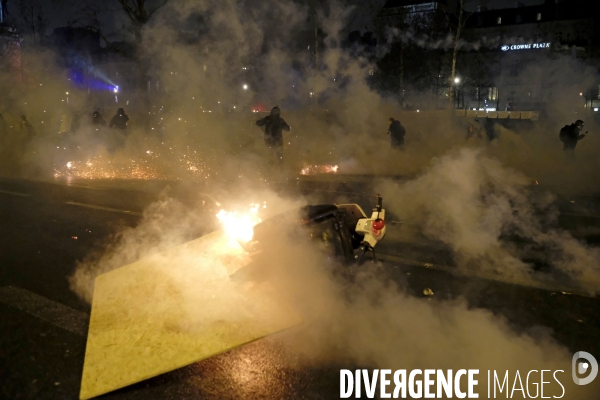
[{"x": 161, "y": 5}]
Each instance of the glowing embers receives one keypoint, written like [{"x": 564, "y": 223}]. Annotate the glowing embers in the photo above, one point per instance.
[
  {"x": 319, "y": 169},
  {"x": 239, "y": 226},
  {"x": 100, "y": 168},
  {"x": 172, "y": 309}
]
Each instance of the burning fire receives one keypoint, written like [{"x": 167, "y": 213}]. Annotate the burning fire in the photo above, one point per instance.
[
  {"x": 240, "y": 226},
  {"x": 319, "y": 169}
]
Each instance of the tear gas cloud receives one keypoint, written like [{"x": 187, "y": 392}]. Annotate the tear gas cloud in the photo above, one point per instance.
[
  {"x": 192, "y": 131},
  {"x": 466, "y": 194},
  {"x": 478, "y": 208},
  {"x": 373, "y": 323}
]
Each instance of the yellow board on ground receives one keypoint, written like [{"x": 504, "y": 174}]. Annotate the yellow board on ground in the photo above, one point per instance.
[{"x": 173, "y": 309}]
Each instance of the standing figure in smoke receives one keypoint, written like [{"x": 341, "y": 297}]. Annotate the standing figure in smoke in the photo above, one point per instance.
[
  {"x": 570, "y": 135},
  {"x": 119, "y": 121},
  {"x": 97, "y": 120},
  {"x": 27, "y": 130},
  {"x": 274, "y": 125},
  {"x": 396, "y": 132}
]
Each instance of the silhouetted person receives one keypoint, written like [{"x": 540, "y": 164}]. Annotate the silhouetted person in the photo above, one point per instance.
[
  {"x": 571, "y": 134},
  {"x": 274, "y": 127},
  {"x": 27, "y": 130},
  {"x": 97, "y": 120},
  {"x": 396, "y": 132},
  {"x": 120, "y": 120}
]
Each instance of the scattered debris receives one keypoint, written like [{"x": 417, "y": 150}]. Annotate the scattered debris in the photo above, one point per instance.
[{"x": 428, "y": 292}]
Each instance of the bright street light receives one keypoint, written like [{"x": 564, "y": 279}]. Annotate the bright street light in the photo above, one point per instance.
[
  {"x": 456, "y": 80},
  {"x": 245, "y": 87}
]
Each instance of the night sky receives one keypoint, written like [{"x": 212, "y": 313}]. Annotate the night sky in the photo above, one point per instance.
[{"x": 63, "y": 12}]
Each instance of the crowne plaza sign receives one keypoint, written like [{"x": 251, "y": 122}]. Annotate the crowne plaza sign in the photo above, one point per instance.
[{"x": 526, "y": 46}]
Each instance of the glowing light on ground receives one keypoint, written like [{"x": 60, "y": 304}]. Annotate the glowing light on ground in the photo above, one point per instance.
[{"x": 239, "y": 226}]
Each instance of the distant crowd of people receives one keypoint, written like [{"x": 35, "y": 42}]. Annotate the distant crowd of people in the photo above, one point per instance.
[
  {"x": 274, "y": 125},
  {"x": 68, "y": 126},
  {"x": 28, "y": 132}
]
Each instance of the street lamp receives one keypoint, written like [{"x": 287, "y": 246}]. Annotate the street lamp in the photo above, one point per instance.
[
  {"x": 457, "y": 90},
  {"x": 245, "y": 87}
]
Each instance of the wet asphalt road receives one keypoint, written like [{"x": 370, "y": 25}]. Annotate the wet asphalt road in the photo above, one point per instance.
[{"x": 47, "y": 227}]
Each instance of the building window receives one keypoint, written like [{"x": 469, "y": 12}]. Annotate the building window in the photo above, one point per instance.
[
  {"x": 371, "y": 71},
  {"x": 519, "y": 19},
  {"x": 499, "y": 20},
  {"x": 558, "y": 36},
  {"x": 539, "y": 16},
  {"x": 493, "y": 93}
]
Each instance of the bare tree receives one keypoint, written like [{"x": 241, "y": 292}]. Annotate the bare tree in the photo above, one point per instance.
[
  {"x": 461, "y": 20},
  {"x": 139, "y": 14},
  {"x": 32, "y": 18},
  {"x": 89, "y": 17}
]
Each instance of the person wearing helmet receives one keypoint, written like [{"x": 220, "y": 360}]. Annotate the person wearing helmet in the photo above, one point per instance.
[
  {"x": 396, "y": 132},
  {"x": 571, "y": 134},
  {"x": 274, "y": 126},
  {"x": 120, "y": 120}
]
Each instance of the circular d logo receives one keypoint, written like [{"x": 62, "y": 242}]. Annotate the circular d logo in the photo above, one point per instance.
[{"x": 590, "y": 364}]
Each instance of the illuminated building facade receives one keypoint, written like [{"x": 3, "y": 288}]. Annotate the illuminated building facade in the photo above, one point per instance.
[{"x": 525, "y": 58}]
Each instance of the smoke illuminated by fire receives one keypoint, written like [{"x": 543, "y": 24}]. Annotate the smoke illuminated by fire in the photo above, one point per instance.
[{"x": 239, "y": 226}]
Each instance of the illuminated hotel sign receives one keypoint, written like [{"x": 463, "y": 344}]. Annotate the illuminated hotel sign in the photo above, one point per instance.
[
  {"x": 527, "y": 46},
  {"x": 421, "y": 8}
]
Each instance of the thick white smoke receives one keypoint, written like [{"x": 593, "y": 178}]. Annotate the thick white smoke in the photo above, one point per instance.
[{"x": 493, "y": 217}]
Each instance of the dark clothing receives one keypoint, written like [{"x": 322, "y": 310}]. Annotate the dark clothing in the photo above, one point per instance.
[
  {"x": 273, "y": 130},
  {"x": 119, "y": 121},
  {"x": 397, "y": 133},
  {"x": 98, "y": 120},
  {"x": 569, "y": 135}
]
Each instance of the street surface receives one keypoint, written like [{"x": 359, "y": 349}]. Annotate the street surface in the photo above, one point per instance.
[{"x": 47, "y": 227}]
